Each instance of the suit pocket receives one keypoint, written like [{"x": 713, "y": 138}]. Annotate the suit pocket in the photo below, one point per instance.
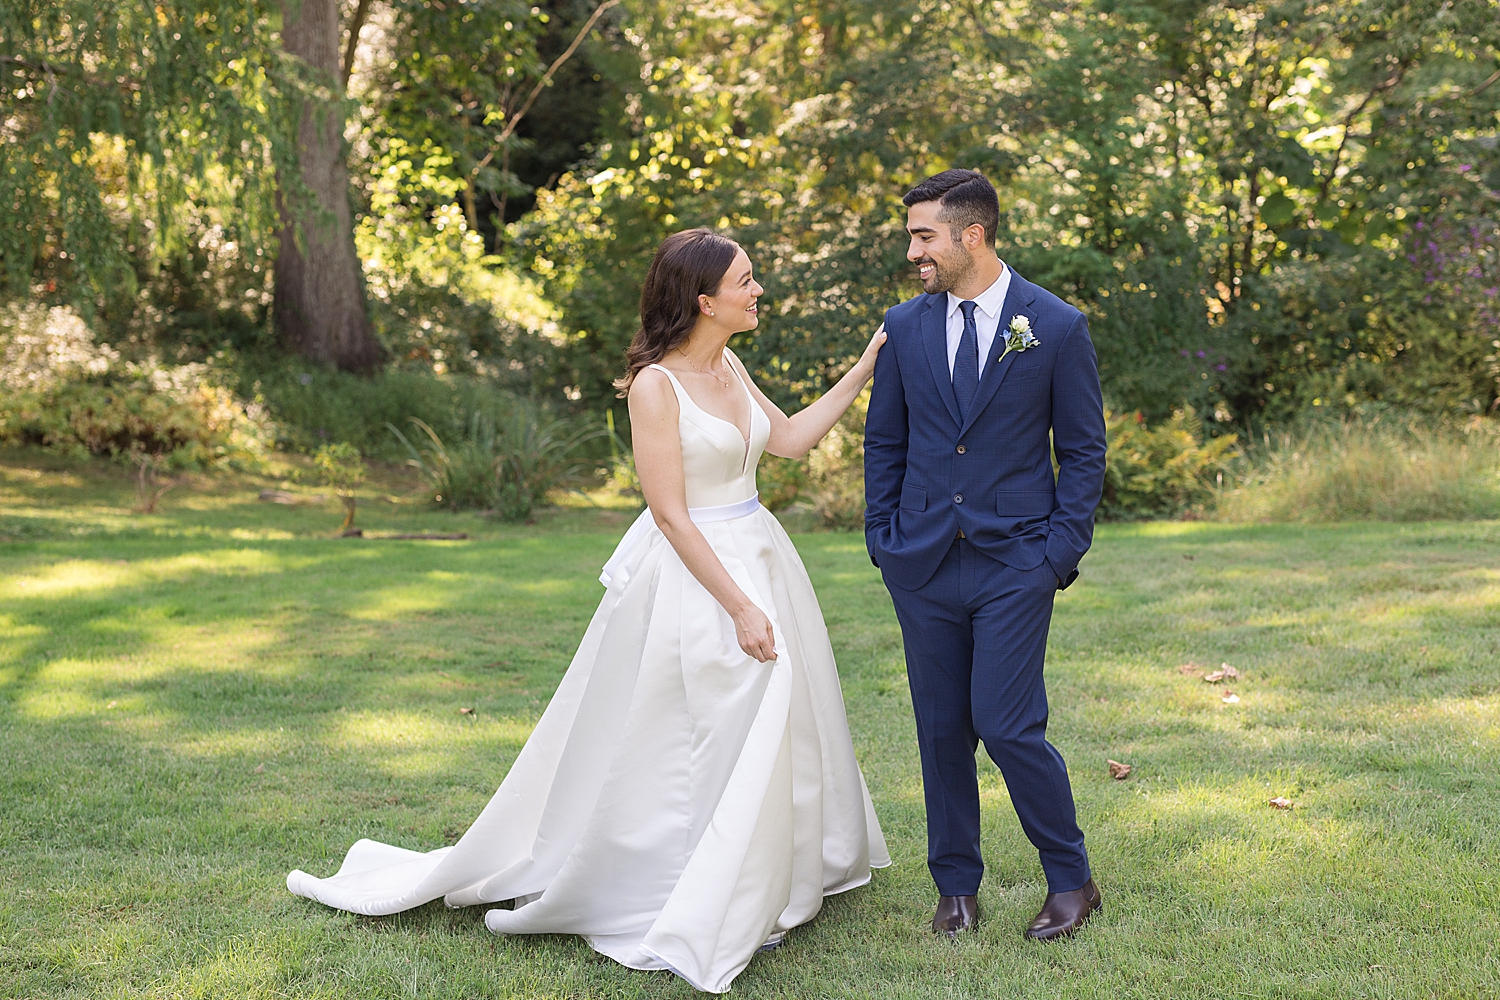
[
  {"x": 913, "y": 498},
  {"x": 1018, "y": 374},
  {"x": 1021, "y": 503}
]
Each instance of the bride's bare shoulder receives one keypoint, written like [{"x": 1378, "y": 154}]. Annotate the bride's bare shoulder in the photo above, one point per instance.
[{"x": 651, "y": 390}]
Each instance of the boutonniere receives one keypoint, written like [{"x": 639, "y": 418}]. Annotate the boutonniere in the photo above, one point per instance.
[{"x": 1019, "y": 337}]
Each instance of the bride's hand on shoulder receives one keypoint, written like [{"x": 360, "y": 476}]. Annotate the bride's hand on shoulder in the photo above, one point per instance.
[
  {"x": 753, "y": 630},
  {"x": 867, "y": 360}
]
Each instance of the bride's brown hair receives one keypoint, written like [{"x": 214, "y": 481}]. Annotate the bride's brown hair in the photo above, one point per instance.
[{"x": 686, "y": 265}]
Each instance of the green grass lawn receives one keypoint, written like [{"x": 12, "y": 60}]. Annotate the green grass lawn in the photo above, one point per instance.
[{"x": 195, "y": 702}]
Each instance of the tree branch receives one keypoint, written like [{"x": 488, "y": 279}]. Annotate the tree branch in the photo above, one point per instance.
[
  {"x": 1338, "y": 154},
  {"x": 356, "y": 23},
  {"x": 53, "y": 70},
  {"x": 515, "y": 119}
]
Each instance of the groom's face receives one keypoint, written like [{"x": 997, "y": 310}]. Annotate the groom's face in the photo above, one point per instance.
[{"x": 943, "y": 263}]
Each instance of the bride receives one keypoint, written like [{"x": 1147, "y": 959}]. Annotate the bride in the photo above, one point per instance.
[{"x": 690, "y": 794}]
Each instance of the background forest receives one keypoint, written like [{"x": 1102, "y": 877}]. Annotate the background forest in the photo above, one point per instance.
[{"x": 230, "y": 225}]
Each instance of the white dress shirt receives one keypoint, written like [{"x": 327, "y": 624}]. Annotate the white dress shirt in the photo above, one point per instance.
[{"x": 988, "y": 305}]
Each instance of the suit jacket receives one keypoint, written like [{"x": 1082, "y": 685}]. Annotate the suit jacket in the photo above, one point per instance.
[{"x": 929, "y": 474}]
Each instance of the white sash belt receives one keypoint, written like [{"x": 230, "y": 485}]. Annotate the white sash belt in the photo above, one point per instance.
[{"x": 645, "y": 524}]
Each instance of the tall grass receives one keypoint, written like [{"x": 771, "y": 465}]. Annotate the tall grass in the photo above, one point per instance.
[
  {"x": 508, "y": 460},
  {"x": 1377, "y": 468}
]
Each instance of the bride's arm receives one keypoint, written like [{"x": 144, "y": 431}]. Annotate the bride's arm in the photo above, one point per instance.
[
  {"x": 795, "y": 436},
  {"x": 658, "y": 463}
]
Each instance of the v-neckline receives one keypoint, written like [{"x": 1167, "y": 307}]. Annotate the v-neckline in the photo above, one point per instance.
[{"x": 743, "y": 436}]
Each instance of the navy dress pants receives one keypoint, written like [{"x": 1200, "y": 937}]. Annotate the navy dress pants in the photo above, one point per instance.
[{"x": 975, "y": 638}]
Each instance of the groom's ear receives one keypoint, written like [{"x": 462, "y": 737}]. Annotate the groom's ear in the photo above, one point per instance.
[{"x": 973, "y": 237}]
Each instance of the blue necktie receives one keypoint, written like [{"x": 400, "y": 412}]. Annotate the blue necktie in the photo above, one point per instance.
[{"x": 966, "y": 364}]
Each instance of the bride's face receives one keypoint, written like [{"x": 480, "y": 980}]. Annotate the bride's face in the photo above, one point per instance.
[{"x": 734, "y": 305}]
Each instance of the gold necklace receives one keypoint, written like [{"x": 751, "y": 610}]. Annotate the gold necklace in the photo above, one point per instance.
[{"x": 722, "y": 380}]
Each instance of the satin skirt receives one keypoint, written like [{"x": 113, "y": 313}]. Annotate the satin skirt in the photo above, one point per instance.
[{"x": 679, "y": 804}]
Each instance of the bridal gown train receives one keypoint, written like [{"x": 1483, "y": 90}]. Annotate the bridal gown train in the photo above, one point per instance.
[{"x": 679, "y": 804}]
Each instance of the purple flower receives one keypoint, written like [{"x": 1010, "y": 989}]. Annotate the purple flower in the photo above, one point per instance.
[
  {"x": 1464, "y": 168},
  {"x": 1202, "y": 354},
  {"x": 1185, "y": 353},
  {"x": 1219, "y": 368}
]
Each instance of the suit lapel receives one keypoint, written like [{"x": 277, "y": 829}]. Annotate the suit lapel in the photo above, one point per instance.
[
  {"x": 1018, "y": 300},
  {"x": 935, "y": 340}
]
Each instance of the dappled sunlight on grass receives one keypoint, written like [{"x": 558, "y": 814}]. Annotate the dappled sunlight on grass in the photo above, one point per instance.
[{"x": 278, "y": 694}]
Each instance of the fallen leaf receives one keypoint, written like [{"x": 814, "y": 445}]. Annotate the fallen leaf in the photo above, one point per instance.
[
  {"x": 1215, "y": 677},
  {"x": 465, "y": 711},
  {"x": 1190, "y": 668},
  {"x": 1230, "y": 698},
  {"x": 1282, "y": 803},
  {"x": 1229, "y": 671},
  {"x": 1119, "y": 771},
  {"x": 259, "y": 769}
]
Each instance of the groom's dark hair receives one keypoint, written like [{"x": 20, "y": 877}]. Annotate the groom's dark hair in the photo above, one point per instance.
[{"x": 967, "y": 199}]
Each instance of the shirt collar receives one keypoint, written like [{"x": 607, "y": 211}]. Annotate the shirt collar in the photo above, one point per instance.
[{"x": 991, "y": 300}]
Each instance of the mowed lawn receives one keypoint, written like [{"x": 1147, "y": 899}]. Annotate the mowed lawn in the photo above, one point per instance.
[{"x": 195, "y": 702}]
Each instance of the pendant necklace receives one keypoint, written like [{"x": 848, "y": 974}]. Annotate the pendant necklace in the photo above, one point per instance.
[{"x": 721, "y": 380}]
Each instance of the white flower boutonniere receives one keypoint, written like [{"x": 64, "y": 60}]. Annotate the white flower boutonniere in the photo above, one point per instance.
[{"x": 1019, "y": 337}]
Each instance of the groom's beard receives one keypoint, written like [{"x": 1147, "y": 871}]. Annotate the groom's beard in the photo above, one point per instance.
[{"x": 948, "y": 272}]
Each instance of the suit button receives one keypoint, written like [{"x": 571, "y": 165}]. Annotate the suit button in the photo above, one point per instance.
[
  {"x": 958, "y": 498},
  {"x": 962, "y": 449}
]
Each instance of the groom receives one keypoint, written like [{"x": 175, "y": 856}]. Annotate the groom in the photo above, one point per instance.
[{"x": 981, "y": 381}]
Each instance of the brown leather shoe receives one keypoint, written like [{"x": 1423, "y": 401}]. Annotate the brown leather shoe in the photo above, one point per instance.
[
  {"x": 954, "y": 914},
  {"x": 1065, "y": 912}
]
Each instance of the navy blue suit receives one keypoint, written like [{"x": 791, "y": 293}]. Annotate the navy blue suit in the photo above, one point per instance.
[{"x": 974, "y": 535}]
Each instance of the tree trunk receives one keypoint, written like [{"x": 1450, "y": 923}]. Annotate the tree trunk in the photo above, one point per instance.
[{"x": 319, "y": 310}]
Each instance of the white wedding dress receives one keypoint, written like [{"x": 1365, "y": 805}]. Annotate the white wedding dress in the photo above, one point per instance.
[{"x": 679, "y": 804}]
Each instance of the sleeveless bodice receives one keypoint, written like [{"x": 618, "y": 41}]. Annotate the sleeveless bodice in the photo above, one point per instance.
[{"x": 718, "y": 464}]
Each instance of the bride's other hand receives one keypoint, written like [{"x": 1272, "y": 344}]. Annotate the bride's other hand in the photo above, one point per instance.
[
  {"x": 866, "y": 362},
  {"x": 753, "y": 630}
]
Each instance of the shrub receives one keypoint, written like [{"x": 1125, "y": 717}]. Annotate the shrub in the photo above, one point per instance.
[
  {"x": 1380, "y": 467},
  {"x": 341, "y": 469},
  {"x": 62, "y": 391},
  {"x": 1162, "y": 471},
  {"x": 830, "y": 482},
  {"x": 313, "y": 405},
  {"x": 780, "y": 481},
  {"x": 836, "y": 471},
  {"x": 507, "y": 465}
]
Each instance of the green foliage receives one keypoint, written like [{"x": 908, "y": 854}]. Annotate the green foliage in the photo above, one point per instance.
[
  {"x": 1161, "y": 471},
  {"x": 118, "y": 113},
  {"x": 620, "y": 477},
  {"x": 1261, "y": 206},
  {"x": 780, "y": 481},
  {"x": 506, "y": 462},
  {"x": 341, "y": 468},
  {"x": 313, "y": 405},
  {"x": 1377, "y": 467},
  {"x": 829, "y": 484},
  {"x": 60, "y": 390},
  {"x": 1170, "y": 169},
  {"x": 197, "y": 430}
]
